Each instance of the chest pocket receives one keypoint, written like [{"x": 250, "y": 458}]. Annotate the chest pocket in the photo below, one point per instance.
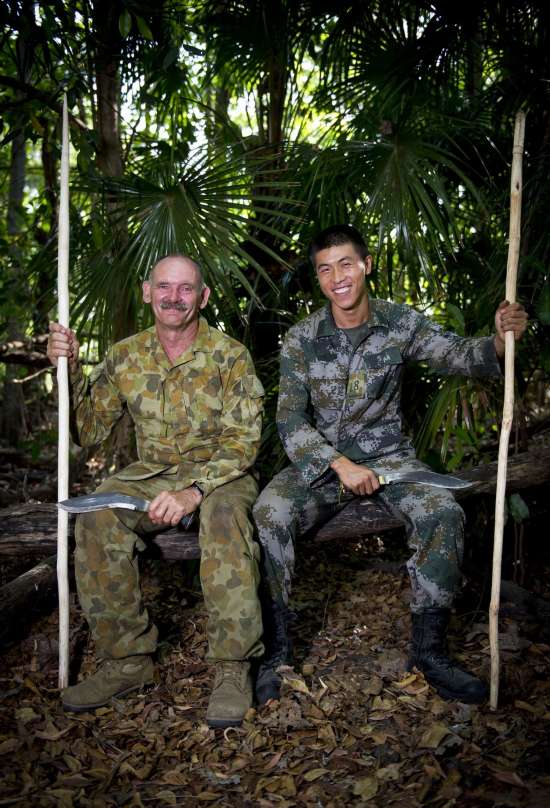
[
  {"x": 144, "y": 397},
  {"x": 327, "y": 387},
  {"x": 381, "y": 370}
]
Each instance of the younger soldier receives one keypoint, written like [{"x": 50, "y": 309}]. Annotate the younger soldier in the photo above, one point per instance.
[
  {"x": 339, "y": 417},
  {"x": 196, "y": 404}
]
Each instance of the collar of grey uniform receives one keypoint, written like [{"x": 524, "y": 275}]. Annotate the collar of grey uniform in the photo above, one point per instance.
[
  {"x": 204, "y": 341},
  {"x": 377, "y": 318}
]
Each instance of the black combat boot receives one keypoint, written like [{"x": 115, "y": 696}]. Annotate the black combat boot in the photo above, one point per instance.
[
  {"x": 278, "y": 650},
  {"x": 429, "y": 654}
]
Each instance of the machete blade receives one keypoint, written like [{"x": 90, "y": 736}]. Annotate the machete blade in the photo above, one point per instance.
[
  {"x": 425, "y": 478},
  {"x": 99, "y": 502}
]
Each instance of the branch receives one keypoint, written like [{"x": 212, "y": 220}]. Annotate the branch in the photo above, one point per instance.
[{"x": 39, "y": 95}]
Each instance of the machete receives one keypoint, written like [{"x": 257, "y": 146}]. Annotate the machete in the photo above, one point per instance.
[
  {"x": 99, "y": 502},
  {"x": 424, "y": 478}
]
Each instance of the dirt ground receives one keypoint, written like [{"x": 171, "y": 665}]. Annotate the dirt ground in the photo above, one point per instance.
[{"x": 353, "y": 726}]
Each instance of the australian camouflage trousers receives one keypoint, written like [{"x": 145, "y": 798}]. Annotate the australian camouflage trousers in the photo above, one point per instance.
[
  {"x": 288, "y": 507},
  {"x": 107, "y": 575}
]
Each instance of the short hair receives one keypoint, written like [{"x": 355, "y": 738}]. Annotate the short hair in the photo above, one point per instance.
[
  {"x": 202, "y": 283},
  {"x": 336, "y": 235}
]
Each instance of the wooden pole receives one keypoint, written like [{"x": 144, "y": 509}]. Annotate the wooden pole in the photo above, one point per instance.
[
  {"x": 63, "y": 420},
  {"x": 508, "y": 408}
]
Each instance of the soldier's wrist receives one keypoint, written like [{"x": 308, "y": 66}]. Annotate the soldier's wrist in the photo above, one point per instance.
[{"x": 198, "y": 490}]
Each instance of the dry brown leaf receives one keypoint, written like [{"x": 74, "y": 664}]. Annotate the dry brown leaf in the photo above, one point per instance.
[
  {"x": 511, "y": 778},
  {"x": 63, "y": 796},
  {"x": 9, "y": 745},
  {"x": 274, "y": 761},
  {"x": 433, "y": 735},
  {"x": 26, "y": 715},
  {"x": 523, "y": 705},
  {"x": 166, "y": 796},
  {"x": 73, "y": 780},
  {"x": 385, "y": 705},
  {"x": 315, "y": 774},
  {"x": 408, "y": 680},
  {"x": 51, "y": 733},
  {"x": 327, "y": 736},
  {"x": 239, "y": 763},
  {"x": 389, "y": 772},
  {"x": 297, "y": 684},
  {"x": 494, "y": 723},
  {"x": 283, "y": 785},
  {"x": 207, "y": 796},
  {"x": 374, "y": 686},
  {"x": 366, "y": 788},
  {"x": 174, "y": 778},
  {"x": 28, "y": 682}
]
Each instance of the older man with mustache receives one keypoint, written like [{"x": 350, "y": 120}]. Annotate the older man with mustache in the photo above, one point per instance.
[{"x": 196, "y": 404}]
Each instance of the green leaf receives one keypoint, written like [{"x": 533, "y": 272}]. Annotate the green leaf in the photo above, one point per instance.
[
  {"x": 518, "y": 508},
  {"x": 456, "y": 319},
  {"x": 143, "y": 28},
  {"x": 170, "y": 58},
  {"x": 125, "y": 23}
]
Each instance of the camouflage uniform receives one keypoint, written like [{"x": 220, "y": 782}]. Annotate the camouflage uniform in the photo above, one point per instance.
[
  {"x": 197, "y": 420},
  {"x": 336, "y": 401}
]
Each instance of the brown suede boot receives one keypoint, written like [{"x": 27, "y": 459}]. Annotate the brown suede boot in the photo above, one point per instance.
[
  {"x": 114, "y": 677},
  {"x": 231, "y": 695}
]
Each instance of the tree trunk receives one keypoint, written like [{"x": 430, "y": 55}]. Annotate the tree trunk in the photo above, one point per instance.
[
  {"x": 107, "y": 55},
  {"x": 12, "y": 417}
]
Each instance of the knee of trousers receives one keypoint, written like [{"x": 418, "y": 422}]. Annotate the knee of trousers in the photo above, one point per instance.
[
  {"x": 272, "y": 513},
  {"x": 103, "y": 529},
  {"x": 225, "y": 527},
  {"x": 447, "y": 514},
  {"x": 442, "y": 531}
]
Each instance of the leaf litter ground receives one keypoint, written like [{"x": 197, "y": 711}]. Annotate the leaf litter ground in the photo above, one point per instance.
[{"x": 353, "y": 727}]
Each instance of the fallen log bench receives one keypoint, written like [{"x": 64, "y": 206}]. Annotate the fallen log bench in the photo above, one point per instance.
[{"x": 31, "y": 530}]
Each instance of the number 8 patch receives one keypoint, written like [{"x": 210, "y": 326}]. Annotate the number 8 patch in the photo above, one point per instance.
[{"x": 357, "y": 384}]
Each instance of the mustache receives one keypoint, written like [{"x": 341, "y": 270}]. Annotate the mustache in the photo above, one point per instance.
[{"x": 175, "y": 306}]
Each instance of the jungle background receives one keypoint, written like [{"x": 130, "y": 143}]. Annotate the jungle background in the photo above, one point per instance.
[{"x": 232, "y": 131}]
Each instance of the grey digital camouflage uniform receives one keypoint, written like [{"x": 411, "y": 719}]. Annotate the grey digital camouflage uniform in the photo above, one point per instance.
[
  {"x": 197, "y": 420},
  {"x": 335, "y": 401}
]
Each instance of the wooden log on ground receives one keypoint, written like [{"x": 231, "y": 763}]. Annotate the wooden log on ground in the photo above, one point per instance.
[
  {"x": 359, "y": 518},
  {"x": 525, "y": 470},
  {"x": 32, "y": 529},
  {"x": 22, "y": 600}
]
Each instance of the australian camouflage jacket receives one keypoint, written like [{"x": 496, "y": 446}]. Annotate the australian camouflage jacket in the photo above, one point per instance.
[{"x": 199, "y": 418}]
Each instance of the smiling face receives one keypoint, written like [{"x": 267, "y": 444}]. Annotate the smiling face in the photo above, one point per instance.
[
  {"x": 341, "y": 273},
  {"x": 176, "y": 293}
]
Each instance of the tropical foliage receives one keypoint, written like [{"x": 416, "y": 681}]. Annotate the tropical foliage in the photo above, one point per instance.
[{"x": 232, "y": 130}]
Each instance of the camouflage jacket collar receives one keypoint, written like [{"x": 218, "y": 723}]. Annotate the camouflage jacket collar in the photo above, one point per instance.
[
  {"x": 204, "y": 342},
  {"x": 377, "y": 318}
]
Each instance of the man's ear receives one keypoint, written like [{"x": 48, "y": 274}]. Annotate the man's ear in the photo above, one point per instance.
[
  {"x": 205, "y": 294},
  {"x": 368, "y": 265},
  {"x": 146, "y": 290}
]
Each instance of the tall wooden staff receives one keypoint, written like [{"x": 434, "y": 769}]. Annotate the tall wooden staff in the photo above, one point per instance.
[
  {"x": 63, "y": 422},
  {"x": 508, "y": 409}
]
